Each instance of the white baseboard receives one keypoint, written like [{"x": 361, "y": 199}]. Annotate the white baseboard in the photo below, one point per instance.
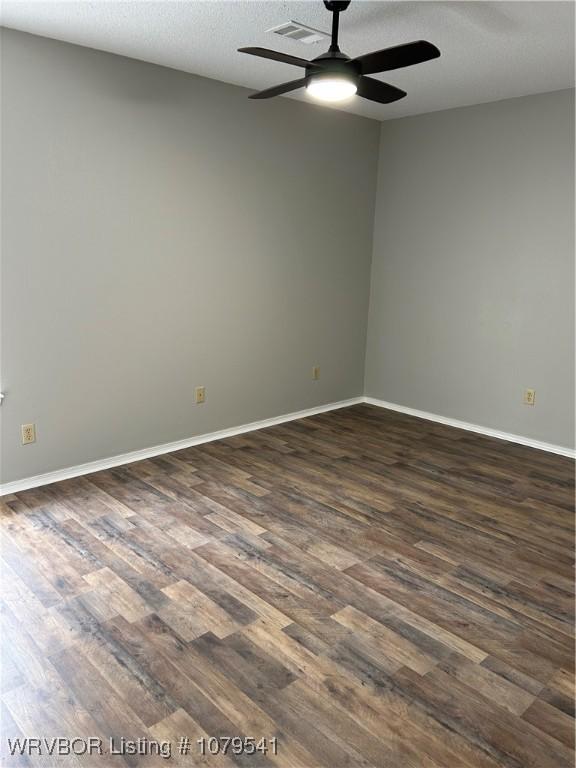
[
  {"x": 157, "y": 450},
  {"x": 541, "y": 446}
]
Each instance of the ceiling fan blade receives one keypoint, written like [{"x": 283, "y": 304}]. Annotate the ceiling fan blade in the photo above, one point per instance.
[
  {"x": 396, "y": 57},
  {"x": 278, "y": 90},
  {"x": 284, "y": 58},
  {"x": 374, "y": 90}
]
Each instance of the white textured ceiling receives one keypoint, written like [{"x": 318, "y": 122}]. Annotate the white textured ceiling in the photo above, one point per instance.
[{"x": 490, "y": 50}]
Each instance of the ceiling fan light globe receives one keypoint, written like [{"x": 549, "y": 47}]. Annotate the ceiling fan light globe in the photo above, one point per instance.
[{"x": 334, "y": 88}]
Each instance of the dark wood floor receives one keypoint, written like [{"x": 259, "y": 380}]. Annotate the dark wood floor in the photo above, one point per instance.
[{"x": 368, "y": 588}]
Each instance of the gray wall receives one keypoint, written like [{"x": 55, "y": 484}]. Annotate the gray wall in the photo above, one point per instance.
[
  {"x": 472, "y": 293},
  {"x": 160, "y": 231}
]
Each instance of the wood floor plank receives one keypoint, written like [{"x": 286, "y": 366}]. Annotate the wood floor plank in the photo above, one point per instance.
[{"x": 552, "y": 721}]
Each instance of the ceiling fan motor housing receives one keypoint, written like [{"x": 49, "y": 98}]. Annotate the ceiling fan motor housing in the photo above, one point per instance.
[{"x": 334, "y": 64}]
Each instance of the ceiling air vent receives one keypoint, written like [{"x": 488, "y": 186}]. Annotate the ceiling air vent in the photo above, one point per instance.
[{"x": 300, "y": 32}]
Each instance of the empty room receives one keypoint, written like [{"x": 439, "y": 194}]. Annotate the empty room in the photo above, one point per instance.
[{"x": 287, "y": 384}]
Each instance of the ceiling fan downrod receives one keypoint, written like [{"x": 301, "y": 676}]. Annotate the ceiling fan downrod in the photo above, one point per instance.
[{"x": 336, "y": 7}]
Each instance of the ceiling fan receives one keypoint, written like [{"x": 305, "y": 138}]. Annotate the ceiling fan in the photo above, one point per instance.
[{"x": 333, "y": 76}]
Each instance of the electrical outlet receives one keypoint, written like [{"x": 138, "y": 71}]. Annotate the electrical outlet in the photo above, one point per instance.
[
  {"x": 316, "y": 373},
  {"x": 28, "y": 433},
  {"x": 529, "y": 396},
  {"x": 199, "y": 395}
]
